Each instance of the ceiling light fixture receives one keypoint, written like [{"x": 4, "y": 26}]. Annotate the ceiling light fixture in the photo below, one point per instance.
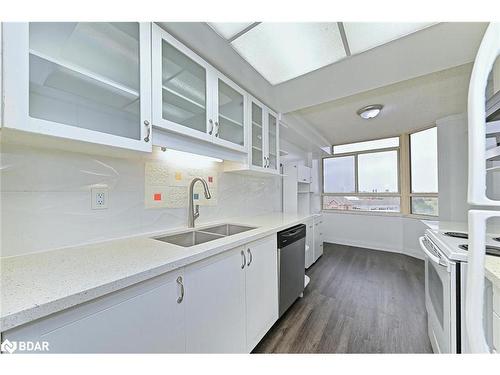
[{"x": 370, "y": 111}]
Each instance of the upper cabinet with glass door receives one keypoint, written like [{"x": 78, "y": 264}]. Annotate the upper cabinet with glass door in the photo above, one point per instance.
[
  {"x": 87, "y": 81},
  {"x": 191, "y": 98},
  {"x": 272, "y": 141},
  {"x": 264, "y": 136}
]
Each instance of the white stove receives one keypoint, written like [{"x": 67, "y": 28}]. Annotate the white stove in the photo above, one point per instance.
[
  {"x": 454, "y": 244},
  {"x": 446, "y": 253}
]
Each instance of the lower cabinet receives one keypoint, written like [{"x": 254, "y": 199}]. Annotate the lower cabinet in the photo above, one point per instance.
[
  {"x": 318, "y": 237},
  {"x": 309, "y": 243},
  {"x": 145, "y": 318},
  {"x": 232, "y": 299},
  {"x": 222, "y": 304},
  {"x": 261, "y": 289},
  {"x": 215, "y": 304}
]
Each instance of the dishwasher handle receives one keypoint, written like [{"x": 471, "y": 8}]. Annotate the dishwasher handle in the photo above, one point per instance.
[{"x": 291, "y": 235}]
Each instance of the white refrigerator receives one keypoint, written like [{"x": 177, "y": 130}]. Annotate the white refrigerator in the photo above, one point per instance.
[{"x": 484, "y": 172}]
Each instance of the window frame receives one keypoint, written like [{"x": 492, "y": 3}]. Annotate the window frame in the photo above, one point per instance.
[
  {"x": 411, "y": 194},
  {"x": 404, "y": 180},
  {"x": 356, "y": 193}
]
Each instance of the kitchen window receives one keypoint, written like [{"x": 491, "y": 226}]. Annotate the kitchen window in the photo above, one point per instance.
[
  {"x": 389, "y": 175},
  {"x": 424, "y": 172},
  {"x": 363, "y": 176}
]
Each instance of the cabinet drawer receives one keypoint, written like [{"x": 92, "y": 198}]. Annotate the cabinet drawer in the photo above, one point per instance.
[
  {"x": 496, "y": 331},
  {"x": 496, "y": 300}
]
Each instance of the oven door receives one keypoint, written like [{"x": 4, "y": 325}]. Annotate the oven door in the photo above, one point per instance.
[{"x": 440, "y": 298}]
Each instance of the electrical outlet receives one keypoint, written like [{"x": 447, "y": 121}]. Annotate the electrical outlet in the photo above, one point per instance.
[{"x": 99, "y": 196}]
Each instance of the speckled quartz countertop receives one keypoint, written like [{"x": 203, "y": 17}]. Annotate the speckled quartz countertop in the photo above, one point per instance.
[{"x": 36, "y": 285}]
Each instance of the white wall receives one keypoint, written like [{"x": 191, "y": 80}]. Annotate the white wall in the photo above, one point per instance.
[
  {"x": 452, "y": 167},
  {"x": 388, "y": 233},
  {"x": 45, "y": 197}
]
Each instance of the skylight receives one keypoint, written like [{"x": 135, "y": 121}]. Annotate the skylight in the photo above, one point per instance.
[
  {"x": 228, "y": 30},
  {"x": 283, "y": 51},
  {"x": 362, "y": 36}
]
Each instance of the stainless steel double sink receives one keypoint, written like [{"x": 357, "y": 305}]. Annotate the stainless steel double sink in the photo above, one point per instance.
[{"x": 199, "y": 236}]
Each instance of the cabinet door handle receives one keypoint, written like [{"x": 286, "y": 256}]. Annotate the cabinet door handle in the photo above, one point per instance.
[
  {"x": 217, "y": 129},
  {"x": 250, "y": 257},
  {"x": 179, "y": 282},
  {"x": 244, "y": 259},
  {"x": 211, "y": 126},
  {"x": 146, "y": 138}
]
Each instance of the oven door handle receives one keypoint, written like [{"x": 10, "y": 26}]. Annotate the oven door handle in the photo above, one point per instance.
[{"x": 434, "y": 258}]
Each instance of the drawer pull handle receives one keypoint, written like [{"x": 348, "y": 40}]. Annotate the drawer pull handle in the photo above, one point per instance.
[
  {"x": 244, "y": 259},
  {"x": 180, "y": 283},
  {"x": 250, "y": 257}
]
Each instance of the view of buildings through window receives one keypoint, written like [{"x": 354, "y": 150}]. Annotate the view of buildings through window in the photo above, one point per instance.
[
  {"x": 424, "y": 172},
  {"x": 365, "y": 176}
]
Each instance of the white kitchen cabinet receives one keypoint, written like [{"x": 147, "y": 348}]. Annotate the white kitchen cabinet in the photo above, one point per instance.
[
  {"x": 303, "y": 174},
  {"x": 264, "y": 137},
  {"x": 83, "y": 81},
  {"x": 215, "y": 304},
  {"x": 222, "y": 304},
  {"x": 263, "y": 142},
  {"x": 261, "y": 289},
  {"x": 309, "y": 243},
  {"x": 191, "y": 98},
  {"x": 232, "y": 299},
  {"x": 318, "y": 236},
  {"x": 145, "y": 318}
]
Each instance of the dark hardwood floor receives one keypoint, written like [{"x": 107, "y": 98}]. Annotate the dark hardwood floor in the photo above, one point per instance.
[{"x": 358, "y": 301}]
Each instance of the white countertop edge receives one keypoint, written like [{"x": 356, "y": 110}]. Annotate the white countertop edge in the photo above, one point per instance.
[{"x": 17, "y": 318}]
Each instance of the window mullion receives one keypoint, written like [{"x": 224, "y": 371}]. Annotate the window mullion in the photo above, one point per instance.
[{"x": 356, "y": 182}]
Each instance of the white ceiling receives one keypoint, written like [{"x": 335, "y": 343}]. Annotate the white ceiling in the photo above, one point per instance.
[
  {"x": 286, "y": 50},
  {"x": 434, "y": 49},
  {"x": 408, "y": 105}
]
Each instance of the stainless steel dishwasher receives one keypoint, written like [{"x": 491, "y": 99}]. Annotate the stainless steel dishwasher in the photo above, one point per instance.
[{"x": 291, "y": 265}]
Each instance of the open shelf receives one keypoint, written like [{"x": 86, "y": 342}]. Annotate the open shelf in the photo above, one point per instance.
[
  {"x": 493, "y": 154},
  {"x": 493, "y": 169},
  {"x": 493, "y": 129}
]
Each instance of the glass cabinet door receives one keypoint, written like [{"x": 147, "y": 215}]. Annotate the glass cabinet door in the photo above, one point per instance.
[
  {"x": 272, "y": 161},
  {"x": 184, "y": 88},
  {"x": 86, "y": 75},
  {"x": 231, "y": 110},
  {"x": 257, "y": 136}
]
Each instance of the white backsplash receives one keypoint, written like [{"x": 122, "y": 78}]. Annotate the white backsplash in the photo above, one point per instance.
[{"x": 45, "y": 197}]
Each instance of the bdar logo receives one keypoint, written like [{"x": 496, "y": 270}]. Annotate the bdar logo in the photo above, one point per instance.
[{"x": 8, "y": 347}]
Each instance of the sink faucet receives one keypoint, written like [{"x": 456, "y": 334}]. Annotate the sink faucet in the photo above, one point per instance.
[{"x": 194, "y": 211}]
